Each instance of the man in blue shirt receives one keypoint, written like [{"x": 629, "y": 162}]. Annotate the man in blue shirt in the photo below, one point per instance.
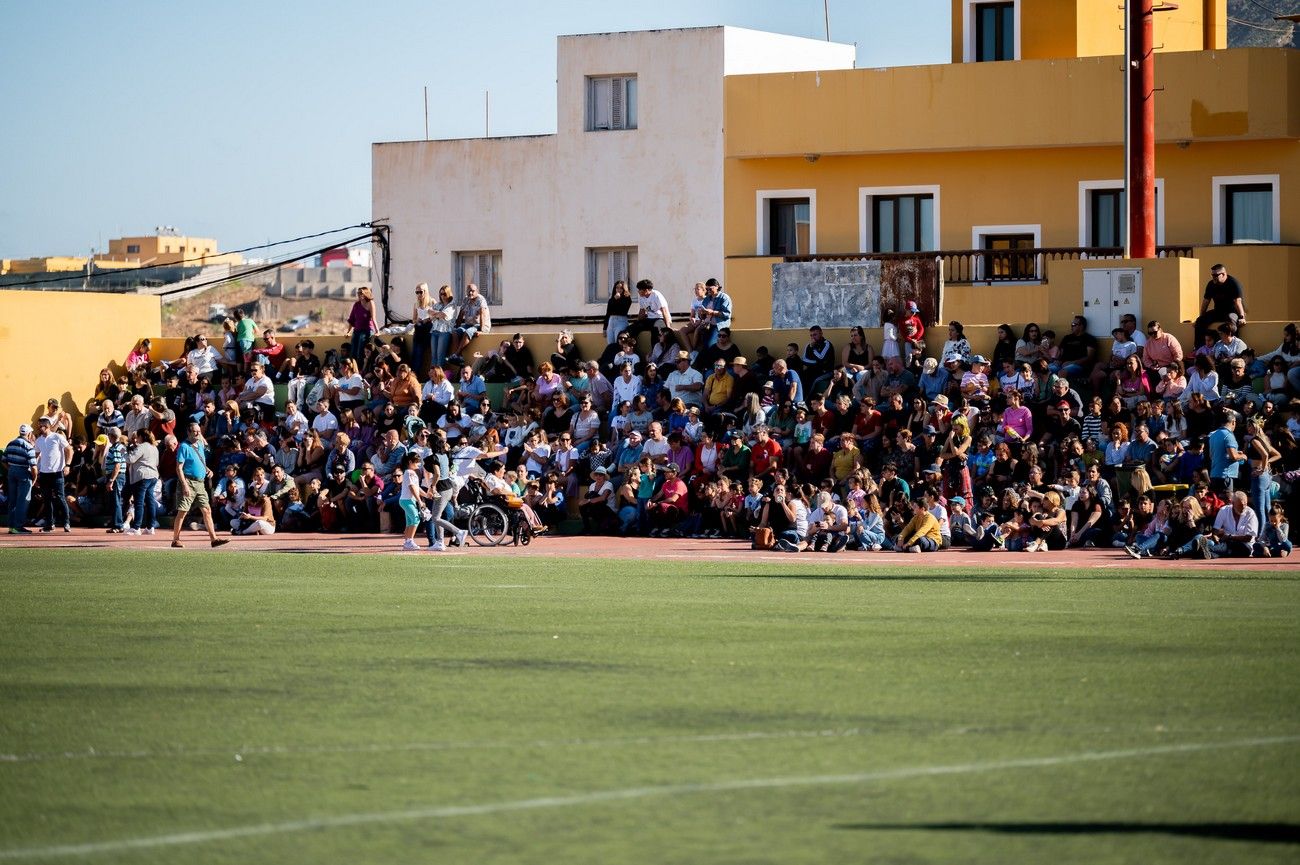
[
  {"x": 1225, "y": 458},
  {"x": 20, "y": 457},
  {"x": 192, "y": 475},
  {"x": 717, "y": 311}
]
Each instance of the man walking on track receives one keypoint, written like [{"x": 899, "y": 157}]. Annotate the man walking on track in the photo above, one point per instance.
[{"x": 191, "y": 488}]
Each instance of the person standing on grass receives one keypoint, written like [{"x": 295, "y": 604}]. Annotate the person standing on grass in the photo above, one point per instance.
[
  {"x": 20, "y": 457},
  {"x": 410, "y": 500},
  {"x": 191, "y": 487},
  {"x": 53, "y": 456}
]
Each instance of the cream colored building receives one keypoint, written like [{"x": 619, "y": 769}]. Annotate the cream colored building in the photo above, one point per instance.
[{"x": 629, "y": 186}]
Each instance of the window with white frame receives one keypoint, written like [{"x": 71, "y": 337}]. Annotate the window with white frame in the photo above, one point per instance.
[
  {"x": 786, "y": 222},
  {"x": 1103, "y": 213},
  {"x": 1009, "y": 254},
  {"x": 482, "y": 268},
  {"x": 607, "y": 265},
  {"x": 991, "y": 30},
  {"x": 611, "y": 103},
  {"x": 898, "y": 218},
  {"x": 1247, "y": 209}
]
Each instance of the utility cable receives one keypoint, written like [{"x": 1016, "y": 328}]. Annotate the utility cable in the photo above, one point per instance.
[{"x": 72, "y": 274}]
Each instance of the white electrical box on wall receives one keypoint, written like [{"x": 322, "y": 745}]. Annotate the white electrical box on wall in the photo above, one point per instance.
[{"x": 1109, "y": 295}]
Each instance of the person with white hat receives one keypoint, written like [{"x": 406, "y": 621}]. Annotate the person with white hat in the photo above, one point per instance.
[{"x": 20, "y": 458}]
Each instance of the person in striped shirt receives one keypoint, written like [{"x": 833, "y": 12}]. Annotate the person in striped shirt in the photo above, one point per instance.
[
  {"x": 115, "y": 477},
  {"x": 20, "y": 457}
]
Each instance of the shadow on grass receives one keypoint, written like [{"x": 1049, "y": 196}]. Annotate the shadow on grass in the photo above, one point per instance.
[{"x": 1268, "y": 833}]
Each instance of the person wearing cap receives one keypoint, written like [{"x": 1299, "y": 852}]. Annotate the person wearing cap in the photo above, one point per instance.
[
  {"x": 934, "y": 379},
  {"x": 975, "y": 382},
  {"x": 912, "y": 333},
  {"x": 685, "y": 382},
  {"x": 669, "y": 505},
  {"x": 744, "y": 382},
  {"x": 598, "y": 503},
  {"x": 718, "y": 388},
  {"x": 20, "y": 460}
]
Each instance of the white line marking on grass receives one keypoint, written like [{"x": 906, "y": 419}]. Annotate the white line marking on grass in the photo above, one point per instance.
[{"x": 603, "y": 796}]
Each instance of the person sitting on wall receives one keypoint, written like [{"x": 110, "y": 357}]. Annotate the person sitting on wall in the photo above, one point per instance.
[
  {"x": 1078, "y": 350},
  {"x": 1223, "y": 301},
  {"x": 654, "y": 313}
]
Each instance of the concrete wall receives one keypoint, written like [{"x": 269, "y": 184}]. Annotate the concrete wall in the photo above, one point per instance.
[
  {"x": 544, "y": 200},
  {"x": 53, "y": 344}
]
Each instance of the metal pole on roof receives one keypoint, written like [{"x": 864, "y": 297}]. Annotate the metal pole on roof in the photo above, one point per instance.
[
  {"x": 426, "y": 112},
  {"x": 826, "y": 14},
  {"x": 487, "y": 113}
]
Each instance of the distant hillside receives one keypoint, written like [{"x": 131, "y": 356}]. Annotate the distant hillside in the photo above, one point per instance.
[{"x": 1250, "y": 23}]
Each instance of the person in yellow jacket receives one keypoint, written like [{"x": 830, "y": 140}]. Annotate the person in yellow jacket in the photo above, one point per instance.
[{"x": 921, "y": 534}]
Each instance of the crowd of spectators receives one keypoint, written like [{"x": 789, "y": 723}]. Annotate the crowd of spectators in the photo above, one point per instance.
[{"x": 673, "y": 431}]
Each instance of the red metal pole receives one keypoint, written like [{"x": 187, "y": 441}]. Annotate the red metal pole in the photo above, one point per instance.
[{"x": 1142, "y": 126}]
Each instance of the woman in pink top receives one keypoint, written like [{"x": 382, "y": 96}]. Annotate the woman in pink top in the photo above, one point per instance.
[
  {"x": 1017, "y": 420},
  {"x": 362, "y": 321}
]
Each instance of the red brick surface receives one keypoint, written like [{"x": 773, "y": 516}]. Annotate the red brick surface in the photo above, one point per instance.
[{"x": 668, "y": 550}]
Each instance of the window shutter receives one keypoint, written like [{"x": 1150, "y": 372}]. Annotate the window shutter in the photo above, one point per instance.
[
  {"x": 617, "y": 94},
  {"x": 601, "y": 95},
  {"x": 617, "y": 266}
]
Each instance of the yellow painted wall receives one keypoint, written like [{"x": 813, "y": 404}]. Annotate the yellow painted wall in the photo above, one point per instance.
[
  {"x": 1058, "y": 29},
  {"x": 54, "y": 343},
  {"x": 1242, "y": 93},
  {"x": 1004, "y": 187},
  {"x": 1269, "y": 277}
]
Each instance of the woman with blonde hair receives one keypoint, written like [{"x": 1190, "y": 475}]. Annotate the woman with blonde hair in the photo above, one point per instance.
[
  {"x": 1047, "y": 526},
  {"x": 443, "y": 318},
  {"x": 311, "y": 460},
  {"x": 956, "y": 474},
  {"x": 422, "y": 320},
  {"x": 351, "y": 388}
]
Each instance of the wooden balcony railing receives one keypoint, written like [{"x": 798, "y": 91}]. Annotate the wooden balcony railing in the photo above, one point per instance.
[{"x": 989, "y": 266}]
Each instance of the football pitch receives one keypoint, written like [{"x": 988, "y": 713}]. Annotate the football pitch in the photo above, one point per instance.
[{"x": 243, "y": 707}]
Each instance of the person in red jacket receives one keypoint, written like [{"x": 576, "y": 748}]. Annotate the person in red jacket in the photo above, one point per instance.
[{"x": 912, "y": 333}]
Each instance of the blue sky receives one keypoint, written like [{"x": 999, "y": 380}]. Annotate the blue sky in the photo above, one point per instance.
[{"x": 252, "y": 121}]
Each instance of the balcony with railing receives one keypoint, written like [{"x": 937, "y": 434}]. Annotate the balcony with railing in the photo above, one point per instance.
[{"x": 994, "y": 266}]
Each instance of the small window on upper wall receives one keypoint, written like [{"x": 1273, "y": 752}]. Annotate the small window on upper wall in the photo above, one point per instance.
[
  {"x": 482, "y": 269},
  {"x": 991, "y": 31},
  {"x": 606, "y": 266},
  {"x": 611, "y": 103},
  {"x": 1248, "y": 213},
  {"x": 133, "y": 249}
]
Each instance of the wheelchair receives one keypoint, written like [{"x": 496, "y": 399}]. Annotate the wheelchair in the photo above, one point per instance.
[{"x": 491, "y": 520}]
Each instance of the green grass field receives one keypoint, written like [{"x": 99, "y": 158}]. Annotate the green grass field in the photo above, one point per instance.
[{"x": 305, "y": 709}]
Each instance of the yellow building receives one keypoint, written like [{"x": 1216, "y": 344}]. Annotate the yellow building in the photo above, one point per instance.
[
  {"x": 167, "y": 249},
  {"x": 1018, "y": 144}
]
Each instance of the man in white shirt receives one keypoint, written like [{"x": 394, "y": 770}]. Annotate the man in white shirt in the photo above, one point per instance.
[
  {"x": 1235, "y": 530},
  {"x": 295, "y": 422},
  {"x": 656, "y": 446},
  {"x": 325, "y": 422},
  {"x": 53, "y": 453},
  {"x": 686, "y": 382},
  {"x": 654, "y": 313},
  {"x": 138, "y": 416}
]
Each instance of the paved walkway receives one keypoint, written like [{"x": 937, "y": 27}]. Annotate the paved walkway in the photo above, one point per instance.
[{"x": 668, "y": 550}]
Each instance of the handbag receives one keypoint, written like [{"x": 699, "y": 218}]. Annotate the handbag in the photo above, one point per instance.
[{"x": 764, "y": 538}]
